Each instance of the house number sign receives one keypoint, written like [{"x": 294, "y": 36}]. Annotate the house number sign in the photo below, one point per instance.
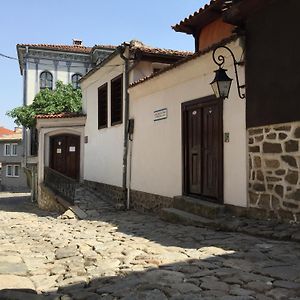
[{"x": 160, "y": 114}]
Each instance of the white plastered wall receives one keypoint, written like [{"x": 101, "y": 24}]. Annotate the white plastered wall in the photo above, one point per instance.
[
  {"x": 157, "y": 146},
  {"x": 103, "y": 158}
]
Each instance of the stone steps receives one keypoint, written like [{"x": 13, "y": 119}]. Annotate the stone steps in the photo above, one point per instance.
[
  {"x": 198, "y": 207},
  {"x": 174, "y": 215}
]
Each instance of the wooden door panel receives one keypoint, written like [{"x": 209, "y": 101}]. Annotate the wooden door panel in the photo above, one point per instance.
[
  {"x": 194, "y": 150},
  {"x": 65, "y": 155},
  {"x": 203, "y": 148}
]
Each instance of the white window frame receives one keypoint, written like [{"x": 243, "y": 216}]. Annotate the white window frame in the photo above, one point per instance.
[
  {"x": 13, "y": 171},
  {"x": 12, "y": 147},
  {"x": 7, "y": 153}
]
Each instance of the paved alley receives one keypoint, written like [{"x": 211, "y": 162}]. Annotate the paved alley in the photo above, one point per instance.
[{"x": 126, "y": 255}]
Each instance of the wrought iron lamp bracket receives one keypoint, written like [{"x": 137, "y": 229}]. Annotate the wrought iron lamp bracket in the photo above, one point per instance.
[{"x": 220, "y": 60}]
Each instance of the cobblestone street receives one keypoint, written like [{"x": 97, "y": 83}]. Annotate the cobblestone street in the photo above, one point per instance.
[{"x": 126, "y": 255}]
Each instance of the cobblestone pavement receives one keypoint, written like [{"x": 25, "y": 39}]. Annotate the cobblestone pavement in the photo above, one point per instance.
[{"x": 126, "y": 255}]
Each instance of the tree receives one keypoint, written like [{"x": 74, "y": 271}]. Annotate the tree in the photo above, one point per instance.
[{"x": 64, "y": 98}]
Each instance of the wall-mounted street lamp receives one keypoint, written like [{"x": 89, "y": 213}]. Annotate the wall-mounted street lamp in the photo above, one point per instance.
[{"x": 222, "y": 83}]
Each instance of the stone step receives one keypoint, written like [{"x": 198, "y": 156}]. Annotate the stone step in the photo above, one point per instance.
[
  {"x": 174, "y": 215},
  {"x": 198, "y": 207}
]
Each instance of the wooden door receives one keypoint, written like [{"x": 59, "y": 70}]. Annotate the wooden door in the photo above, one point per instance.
[
  {"x": 203, "y": 148},
  {"x": 65, "y": 155}
]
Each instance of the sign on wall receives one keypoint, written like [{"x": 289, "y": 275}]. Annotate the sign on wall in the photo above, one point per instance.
[{"x": 160, "y": 114}]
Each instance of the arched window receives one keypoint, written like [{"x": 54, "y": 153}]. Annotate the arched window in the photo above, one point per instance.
[
  {"x": 75, "y": 80},
  {"x": 46, "y": 80}
]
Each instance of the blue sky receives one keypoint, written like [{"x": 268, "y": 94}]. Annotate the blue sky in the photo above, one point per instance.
[{"x": 93, "y": 21}]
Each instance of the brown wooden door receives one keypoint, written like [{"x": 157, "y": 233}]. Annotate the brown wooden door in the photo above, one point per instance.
[
  {"x": 65, "y": 155},
  {"x": 203, "y": 148}
]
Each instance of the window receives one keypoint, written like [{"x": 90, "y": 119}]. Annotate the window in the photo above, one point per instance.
[
  {"x": 14, "y": 149},
  {"x": 116, "y": 100},
  {"x": 10, "y": 149},
  {"x": 12, "y": 171},
  {"x": 6, "y": 149},
  {"x": 46, "y": 80},
  {"x": 75, "y": 80},
  {"x": 102, "y": 106}
]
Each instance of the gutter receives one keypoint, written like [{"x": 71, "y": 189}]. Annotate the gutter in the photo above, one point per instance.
[{"x": 25, "y": 103}]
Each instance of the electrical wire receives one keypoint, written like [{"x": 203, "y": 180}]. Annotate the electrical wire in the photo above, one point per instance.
[{"x": 9, "y": 57}]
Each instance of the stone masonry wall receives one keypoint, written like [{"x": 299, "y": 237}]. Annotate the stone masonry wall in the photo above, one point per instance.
[
  {"x": 274, "y": 170},
  {"x": 48, "y": 200}
]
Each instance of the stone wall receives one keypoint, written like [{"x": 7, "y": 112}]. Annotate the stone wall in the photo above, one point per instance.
[
  {"x": 48, "y": 200},
  {"x": 274, "y": 170},
  {"x": 145, "y": 202}
]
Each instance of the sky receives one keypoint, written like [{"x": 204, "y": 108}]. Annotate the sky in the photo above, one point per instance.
[{"x": 93, "y": 21}]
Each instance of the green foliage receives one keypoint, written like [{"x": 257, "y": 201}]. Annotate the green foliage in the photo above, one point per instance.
[{"x": 63, "y": 99}]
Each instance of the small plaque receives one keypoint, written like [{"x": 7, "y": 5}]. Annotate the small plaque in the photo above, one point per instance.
[
  {"x": 58, "y": 150},
  {"x": 160, "y": 114},
  {"x": 72, "y": 149}
]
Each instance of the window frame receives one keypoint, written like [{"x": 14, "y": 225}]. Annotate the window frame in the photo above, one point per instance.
[
  {"x": 13, "y": 171},
  {"x": 76, "y": 82},
  {"x": 12, "y": 147},
  {"x": 7, "y": 153},
  {"x": 104, "y": 123},
  {"x": 46, "y": 72},
  {"x": 112, "y": 117}
]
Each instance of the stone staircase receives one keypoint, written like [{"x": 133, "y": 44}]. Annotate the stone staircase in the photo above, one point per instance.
[{"x": 191, "y": 211}]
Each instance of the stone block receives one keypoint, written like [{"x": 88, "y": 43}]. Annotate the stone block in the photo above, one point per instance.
[
  {"x": 254, "y": 149},
  {"x": 259, "y": 187},
  {"x": 282, "y": 136},
  {"x": 280, "y": 172},
  {"x": 272, "y": 148},
  {"x": 283, "y": 128},
  {"x": 259, "y": 138},
  {"x": 253, "y": 198},
  {"x": 255, "y": 131},
  {"x": 295, "y": 195},
  {"x": 260, "y": 176},
  {"x": 290, "y": 205},
  {"x": 272, "y": 163},
  {"x": 279, "y": 190},
  {"x": 271, "y": 136},
  {"x": 273, "y": 179},
  {"x": 292, "y": 177},
  {"x": 297, "y": 133},
  {"x": 290, "y": 160},
  {"x": 265, "y": 201},
  {"x": 292, "y": 146},
  {"x": 275, "y": 203},
  {"x": 257, "y": 162},
  {"x": 251, "y": 141}
]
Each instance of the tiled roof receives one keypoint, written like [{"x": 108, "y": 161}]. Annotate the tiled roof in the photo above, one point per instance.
[
  {"x": 183, "y": 25},
  {"x": 161, "y": 51},
  {"x": 60, "y": 116},
  {"x": 5, "y": 131},
  {"x": 183, "y": 61},
  {"x": 67, "y": 48}
]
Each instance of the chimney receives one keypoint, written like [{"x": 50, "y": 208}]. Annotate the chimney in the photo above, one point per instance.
[{"x": 77, "y": 42}]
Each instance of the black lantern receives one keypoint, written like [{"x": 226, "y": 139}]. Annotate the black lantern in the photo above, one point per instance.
[{"x": 221, "y": 84}]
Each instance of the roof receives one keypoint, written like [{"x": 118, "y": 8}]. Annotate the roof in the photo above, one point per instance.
[
  {"x": 138, "y": 47},
  {"x": 5, "y": 131},
  {"x": 64, "y": 115},
  {"x": 65, "y": 48},
  {"x": 7, "y": 134},
  {"x": 202, "y": 16},
  {"x": 183, "y": 61}
]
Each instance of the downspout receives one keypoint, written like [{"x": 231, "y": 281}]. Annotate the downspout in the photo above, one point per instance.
[
  {"x": 24, "y": 134},
  {"x": 126, "y": 118}
]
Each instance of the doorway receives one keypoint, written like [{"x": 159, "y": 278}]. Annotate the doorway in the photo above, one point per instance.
[{"x": 202, "y": 128}]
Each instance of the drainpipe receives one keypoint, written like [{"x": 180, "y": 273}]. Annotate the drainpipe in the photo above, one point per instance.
[
  {"x": 126, "y": 118},
  {"x": 24, "y": 134}
]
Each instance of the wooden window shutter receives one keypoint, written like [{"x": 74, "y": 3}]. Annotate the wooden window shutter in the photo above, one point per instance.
[
  {"x": 102, "y": 106},
  {"x": 117, "y": 100}
]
